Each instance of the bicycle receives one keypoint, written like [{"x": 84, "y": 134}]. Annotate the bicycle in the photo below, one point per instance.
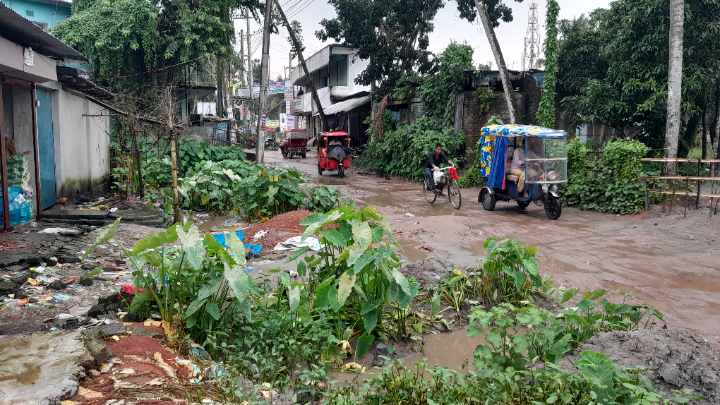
[{"x": 453, "y": 189}]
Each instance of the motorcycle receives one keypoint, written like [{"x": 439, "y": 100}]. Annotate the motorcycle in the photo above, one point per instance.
[{"x": 357, "y": 151}]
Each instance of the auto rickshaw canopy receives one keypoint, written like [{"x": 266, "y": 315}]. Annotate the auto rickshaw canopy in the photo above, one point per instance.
[
  {"x": 343, "y": 134},
  {"x": 530, "y": 131}
]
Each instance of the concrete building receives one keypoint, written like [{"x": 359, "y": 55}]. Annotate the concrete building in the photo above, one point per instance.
[
  {"x": 333, "y": 71},
  {"x": 44, "y": 13},
  {"x": 52, "y": 122}
]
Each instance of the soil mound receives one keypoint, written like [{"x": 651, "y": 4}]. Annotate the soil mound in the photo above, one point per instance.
[
  {"x": 675, "y": 359},
  {"x": 429, "y": 272},
  {"x": 280, "y": 228}
]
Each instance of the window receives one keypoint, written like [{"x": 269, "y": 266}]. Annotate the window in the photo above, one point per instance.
[{"x": 30, "y": 13}]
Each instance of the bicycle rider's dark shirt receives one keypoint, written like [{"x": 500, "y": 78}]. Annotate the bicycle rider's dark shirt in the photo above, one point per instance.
[{"x": 433, "y": 160}]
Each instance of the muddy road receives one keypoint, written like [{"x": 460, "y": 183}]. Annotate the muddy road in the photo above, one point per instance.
[{"x": 669, "y": 262}]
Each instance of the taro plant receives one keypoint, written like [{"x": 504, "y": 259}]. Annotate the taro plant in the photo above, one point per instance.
[
  {"x": 357, "y": 274},
  {"x": 509, "y": 273},
  {"x": 324, "y": 199},
  {"x": 265, "y": 192}
]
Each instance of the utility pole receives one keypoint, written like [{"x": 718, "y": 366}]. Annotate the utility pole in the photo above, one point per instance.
[
  {"x": 301, "y": 58},
  {"x": 249, "y": 53},
  {"x": 264, "y": 79}
]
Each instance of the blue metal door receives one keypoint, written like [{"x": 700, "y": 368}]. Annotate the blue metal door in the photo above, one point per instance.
[{"x": 46, "y": 146}]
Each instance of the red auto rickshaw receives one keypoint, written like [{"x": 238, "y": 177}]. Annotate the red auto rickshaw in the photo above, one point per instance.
[
  {"x": 334, "y": 152},
  {"x": 295, "y": 143}
]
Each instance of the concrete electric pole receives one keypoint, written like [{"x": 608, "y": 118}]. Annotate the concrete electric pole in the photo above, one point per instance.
[{"x": 264, "y": 79}]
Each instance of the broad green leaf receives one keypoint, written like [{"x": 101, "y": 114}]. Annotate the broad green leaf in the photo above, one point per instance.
[
  {"x": 368, "y": 306},
  {"x": 596, "y": 368},
  {"x": 333, "y": 298},
  {"x": 321, "y": 294},
  {"x": 532, "y": 250},
  {"x": 294, "y": 297},
  {"x": 139, "y": 300},
  {"x": 192, "y": 246},
  {"x": 531, "y": 266},
  {"x": 213, "y": 310},
  {"x": 491, "y": 246},
  {"x": 494, "y": 339},
  {"x": 335, "y": 237},
  {"x": 363, "y": 344},
  {"x": 569, "y": 294},
  {"x": 362, "y": 236},
  {"x": 405, "y": 299},
  {"x": 521, "y": 343},
  {"x": 104, "y": 235},
  {"x": 559, "y": 348},
  {"x": 345, "y": 287},
  {"x": 304, "y": 314},
  {"x": 210, "y": 288},
  {"x": 301, "y": 268},
  {"x": 193, "y": 307},
  {"x": 401, "y": 281},
  {"x": 366, "y": 258},
  {"x": 214, "y": 247},
  {"x": 236, "y": 247},
  {"x": 370, "y": 320},
  {"x": 239, "y": 281},
  {"x": 313, "y": 222},
  {"x": 94, "y": 272},
  {"x": 297, "y": 254},
  {"x": 155, "y": 240},
  {"x": 592, "y": 296},
  {"x": 387, "y": 228},
  {"x": 377, "y": 234}
]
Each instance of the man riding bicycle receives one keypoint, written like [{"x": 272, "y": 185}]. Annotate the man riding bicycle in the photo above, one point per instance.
[{"x": 435, "y": 159}]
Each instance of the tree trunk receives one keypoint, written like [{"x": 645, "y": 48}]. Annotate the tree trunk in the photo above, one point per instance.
[
  {"x": 705, "y": 133},
  {"x": 499, "y": 60},
  {"x": 714, "y": 151},
  {"x": 301, "y": 58},
  {"x": 138, "y": 156},
  {"x": 672, "y": 129},
  {"x": 176, "y": 197}
]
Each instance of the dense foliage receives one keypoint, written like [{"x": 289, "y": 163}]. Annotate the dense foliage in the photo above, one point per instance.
[
  {"x": 439, "y": 91},
  {"x": 607, "y": 182},
  {"x": 546, "y": 112},
  {"x": 125, "y": 37},
  {"x": 613, "y": 68},
  {"x": 405, "y": 150}
]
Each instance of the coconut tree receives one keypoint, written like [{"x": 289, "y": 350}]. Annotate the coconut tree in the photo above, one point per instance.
[{"x": 675, "y": 69}]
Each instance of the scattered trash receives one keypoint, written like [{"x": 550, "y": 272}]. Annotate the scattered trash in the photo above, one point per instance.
[
  {"x": 113, "y": 209},
  {"x": 62, "y": 231},
  {"x": 353, "y": 367},
  {"x": 260, "y": 235},
  {"x": 409, "y": 215},
  {"x": 265, "y": 220},
  {"x": 296, "y": 243}
]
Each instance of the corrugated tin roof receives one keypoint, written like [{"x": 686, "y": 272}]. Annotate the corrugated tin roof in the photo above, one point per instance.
[
  {"x": 24, "y": 32},
  {"x": 347, "y": 105}
]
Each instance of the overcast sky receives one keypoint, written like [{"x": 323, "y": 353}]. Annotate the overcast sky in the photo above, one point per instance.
[{"x": 448, "y": 27}]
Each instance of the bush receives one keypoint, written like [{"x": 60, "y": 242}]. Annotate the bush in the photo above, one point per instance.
[
  {"x": 608, "y": 183},
  {"x": 193, "y": 154},
  {"x": 404, "y": 151},
  {"x": 325, "y": 198}
]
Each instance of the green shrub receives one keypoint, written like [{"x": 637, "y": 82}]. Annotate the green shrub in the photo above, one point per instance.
[
  {"x": 606, "y": 184},
  {"x": 325, "y": 198},
  {"x": 192, "y": 154},
  {"x": 404, "y": 151}
]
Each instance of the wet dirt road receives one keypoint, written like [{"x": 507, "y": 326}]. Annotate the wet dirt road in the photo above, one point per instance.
[{"x": 669, "y": 262}]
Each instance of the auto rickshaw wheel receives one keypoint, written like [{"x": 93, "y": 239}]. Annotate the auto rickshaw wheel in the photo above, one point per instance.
[
  {"x": 320, "y": 169},
  {"x": 304, "y": 155},
  {"x": 523, "y": 204},
  {"x": 341, "y": 171},
  {"x": 553, "y": 207},
  {"x": 488, "y": 199}
]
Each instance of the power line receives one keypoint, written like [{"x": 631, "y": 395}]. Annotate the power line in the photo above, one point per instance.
[{"x": 301, "y": 10}]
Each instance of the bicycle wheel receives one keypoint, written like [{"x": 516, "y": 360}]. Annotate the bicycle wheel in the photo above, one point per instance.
[
  {"x": 454, "y": 194},
  {"x": 430, "y": 195}
]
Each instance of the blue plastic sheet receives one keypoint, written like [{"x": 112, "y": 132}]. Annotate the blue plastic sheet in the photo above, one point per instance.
[
  {"x": 220, "y": 238},
  {"x": 497, "y": 169}
]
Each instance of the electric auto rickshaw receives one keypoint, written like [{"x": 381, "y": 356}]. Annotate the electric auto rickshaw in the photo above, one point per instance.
[
  {"x": 334, "y": 152},
  {"x": 295, "y": 143},
  {"x": 540, "y": 171}
]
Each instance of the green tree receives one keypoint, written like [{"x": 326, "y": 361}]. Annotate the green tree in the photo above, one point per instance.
[
  {"x": 546, "y": 113},
  {"x": 632, "y": 95},
  {"x": 393, "y": 33}
]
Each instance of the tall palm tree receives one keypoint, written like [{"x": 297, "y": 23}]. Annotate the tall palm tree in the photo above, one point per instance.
[
  {"x": 499, "y": 59},
  {"x": 675, "y": 68}
]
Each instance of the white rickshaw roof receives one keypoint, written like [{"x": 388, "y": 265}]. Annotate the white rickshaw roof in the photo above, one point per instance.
[{"x": 512, "y": 131}]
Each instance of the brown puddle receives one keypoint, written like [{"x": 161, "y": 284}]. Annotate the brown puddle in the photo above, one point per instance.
[
  {"x": 410, "y": 251},
  {"x": 217, "y": 222}
]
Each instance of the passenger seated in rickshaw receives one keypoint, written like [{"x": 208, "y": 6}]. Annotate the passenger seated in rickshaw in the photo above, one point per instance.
[{"x": 519, "y": 164}]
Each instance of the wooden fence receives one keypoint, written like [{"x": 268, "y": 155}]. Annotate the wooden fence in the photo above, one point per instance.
[{"x": 674, "y": 181}]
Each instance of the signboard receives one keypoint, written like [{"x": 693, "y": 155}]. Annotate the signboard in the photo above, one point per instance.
[
  {"x": 221, "y": 129},
  {"x": 273, "y": 88},
  {"x": 272, "y": 124},
  {"x": 290, "y": 122},
  {"x": 289, "y": 91}
]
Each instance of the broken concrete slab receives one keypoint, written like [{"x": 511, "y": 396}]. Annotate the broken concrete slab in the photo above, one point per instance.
[
  {"x": 138, "y": 330},
  {"x": 69, "y": 215},
  {"x": 7, "y": 288},
  {"x": 112, "y": 329},
  {"x": 41, "y": 368}
]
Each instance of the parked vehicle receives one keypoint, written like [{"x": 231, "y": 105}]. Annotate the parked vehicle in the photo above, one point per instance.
[
  {"x": 295, "y": 143},
  {"x": 334, "y": 152},
  {"x": 357, "y": 151},
  {"x": 544, "y": 152}
]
